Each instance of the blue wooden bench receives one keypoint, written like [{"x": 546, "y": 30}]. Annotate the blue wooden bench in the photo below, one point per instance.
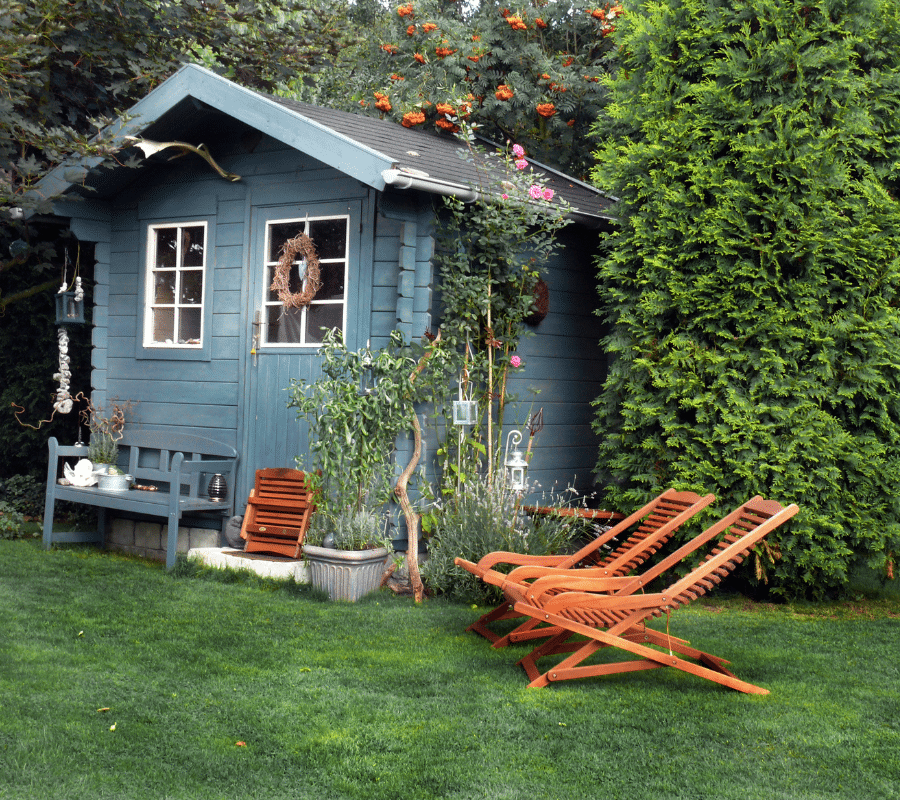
[{"x": 179, "y": 465}]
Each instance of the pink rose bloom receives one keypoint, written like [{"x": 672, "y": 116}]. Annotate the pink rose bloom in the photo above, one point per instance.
[
  {"x": 535, "y": 192},
  {"x": 518, "y": 151},
  {"x": 515, "y": 362},
  {"x": 548, "y": 194},
  {"x": 521, "y": 163}
]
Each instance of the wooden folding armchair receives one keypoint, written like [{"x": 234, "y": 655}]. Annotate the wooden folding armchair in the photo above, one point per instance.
[
  {"x": 644, "y": 533},
  {"x": 278, "y": 513},
  {"x": 609, "y": 613}
]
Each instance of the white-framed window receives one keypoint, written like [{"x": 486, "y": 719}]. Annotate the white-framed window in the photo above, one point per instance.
[
  {"x": 293, "y": 327},
  {"x": 176, "y": 285}
]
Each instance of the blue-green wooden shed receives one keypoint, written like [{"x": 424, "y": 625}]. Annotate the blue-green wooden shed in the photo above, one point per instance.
[{"x": 185, "y": 325}]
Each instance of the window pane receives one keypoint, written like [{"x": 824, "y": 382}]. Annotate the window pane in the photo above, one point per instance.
[
  {"x": 189, "y": 326},
  {"x": 330, "y": 237},
  {"x": 166, "y": 246},
  {"x": 192, "y": 245},
  {"x": 332, "y": 281},
  {"x": 165, "y": 287},
  {"x": 279, "y": 234},
  {"x": 192, "y": 287},
  {"x": 163, "y": 324},
  {"x": 284, "y": 326},
  {"x": 323, "y": 316}
]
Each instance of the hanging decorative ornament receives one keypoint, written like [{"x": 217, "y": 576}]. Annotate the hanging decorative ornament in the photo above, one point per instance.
[
  {"x": 64, "y": 401},
  {"x": 303, "y": 246}
]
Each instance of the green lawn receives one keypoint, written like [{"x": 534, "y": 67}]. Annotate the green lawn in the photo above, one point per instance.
[{"x": 118, "y": 680}]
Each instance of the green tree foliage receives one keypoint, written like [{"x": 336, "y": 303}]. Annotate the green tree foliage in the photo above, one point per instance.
[{"x": 753, "y": 285}]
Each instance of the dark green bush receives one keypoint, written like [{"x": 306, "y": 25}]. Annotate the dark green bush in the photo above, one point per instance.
[
  {"x": 11, "y": 522},
  {"x": 25, "y": 494},
  {"x": 753, "y": 284}
]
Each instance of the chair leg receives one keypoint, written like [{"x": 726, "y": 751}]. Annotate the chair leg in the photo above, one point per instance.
[
  {"x": 503, "y": 611},
  {"x": 572, "y": 667}
]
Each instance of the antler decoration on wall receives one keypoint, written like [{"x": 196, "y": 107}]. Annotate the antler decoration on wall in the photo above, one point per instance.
[{"x": 150, "y": 148}]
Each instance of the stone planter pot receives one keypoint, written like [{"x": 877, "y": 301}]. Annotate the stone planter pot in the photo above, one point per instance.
[{"x": 345, "y": 574}]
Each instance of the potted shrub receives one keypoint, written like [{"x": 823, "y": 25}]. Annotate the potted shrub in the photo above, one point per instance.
[
  {"x": 352, "y": 547},
  {"x": 352, "y": 425}
]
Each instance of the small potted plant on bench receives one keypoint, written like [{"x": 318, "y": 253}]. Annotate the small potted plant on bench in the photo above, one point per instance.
[{"x": 106, "y": 433}]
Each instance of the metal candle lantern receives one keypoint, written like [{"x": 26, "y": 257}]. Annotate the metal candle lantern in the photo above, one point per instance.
[
  {"x": 218, "y": 488},
  {"x": 515, "y": 462},
  {"x": 465, "y": 409},
  {"x": 69, "y": 309}
]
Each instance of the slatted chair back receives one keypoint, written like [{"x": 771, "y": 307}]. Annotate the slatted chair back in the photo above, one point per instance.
[
  {"x": 735, "y": 535},
  {"x": 278, "y": 513}
]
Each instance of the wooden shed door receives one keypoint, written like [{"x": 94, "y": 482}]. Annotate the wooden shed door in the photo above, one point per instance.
[{"x": 284, "y": 342}]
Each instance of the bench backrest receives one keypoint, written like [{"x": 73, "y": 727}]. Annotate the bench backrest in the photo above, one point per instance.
[{"x": 149, "y": 457}]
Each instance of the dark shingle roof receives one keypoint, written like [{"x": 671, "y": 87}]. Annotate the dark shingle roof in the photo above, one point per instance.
[{"x": 440, "y": 156}]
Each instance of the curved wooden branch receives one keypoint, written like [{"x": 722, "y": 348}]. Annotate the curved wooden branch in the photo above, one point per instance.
[{"x": 401, "y": 490}]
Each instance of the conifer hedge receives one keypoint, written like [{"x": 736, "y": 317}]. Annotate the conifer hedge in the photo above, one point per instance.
[{"x": 752, "y": 286}]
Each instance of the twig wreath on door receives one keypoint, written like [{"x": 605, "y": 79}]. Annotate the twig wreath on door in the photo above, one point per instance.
[{"x": 303, "y": 246}]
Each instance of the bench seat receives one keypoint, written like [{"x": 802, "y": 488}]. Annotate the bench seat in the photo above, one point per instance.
[{"x": 179, "y": 465}]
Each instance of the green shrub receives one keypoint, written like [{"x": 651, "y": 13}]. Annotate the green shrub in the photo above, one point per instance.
[
  {"x": 753, "y": 286},
  {"x": 11, "y": 522},
  {"x": 25, "y": 494},
  {"x": 485, "y": 517}
]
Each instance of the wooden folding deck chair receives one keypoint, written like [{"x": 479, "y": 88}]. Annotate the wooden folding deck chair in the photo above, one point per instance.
[
  {"x": 646, "y": 531},
  {"x": 611, "y": 615},
  {"x": 278, "y": 513}
]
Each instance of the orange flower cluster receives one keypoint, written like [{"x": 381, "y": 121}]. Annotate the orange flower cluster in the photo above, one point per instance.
[
  {"x": 381, "y": 102},
  {"x": 396, "y": 77},
  {"x": 503, "y": 92},
  {"x": 607, "y": 17},
  {"x": 428, "y": 27},
  {"x": 410, "y": 31},
  {"x": 411, "y": 118},
  {"x": 540, "y": 23},
  {"x": 445, "y": 124},
  {"x": 405, "y": 10},
  {"x": 473, "y": 59},
  {"x": 557, "y": 87},
  {"x": 445, "y": 108},
  {"x": 517, "y": 23},
  {"x": 419, "y": 57},
  {"x": 568, "y": 62},
  {"x": 546, "y": 109},
  {"x": 444, "y": 51},
  {"x": 390, "y": 48},
  {"x": 545, "y": 77}
]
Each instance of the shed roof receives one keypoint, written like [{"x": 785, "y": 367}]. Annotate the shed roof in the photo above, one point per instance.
[{"x": 377, "y": 152}]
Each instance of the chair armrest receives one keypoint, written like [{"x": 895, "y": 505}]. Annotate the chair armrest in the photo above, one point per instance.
[
  {"x": 504, "y": 557},
  {"x": 577, "y": 583}
]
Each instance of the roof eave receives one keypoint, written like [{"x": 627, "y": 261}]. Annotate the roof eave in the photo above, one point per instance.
[{"x": 324, "y": 144}]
